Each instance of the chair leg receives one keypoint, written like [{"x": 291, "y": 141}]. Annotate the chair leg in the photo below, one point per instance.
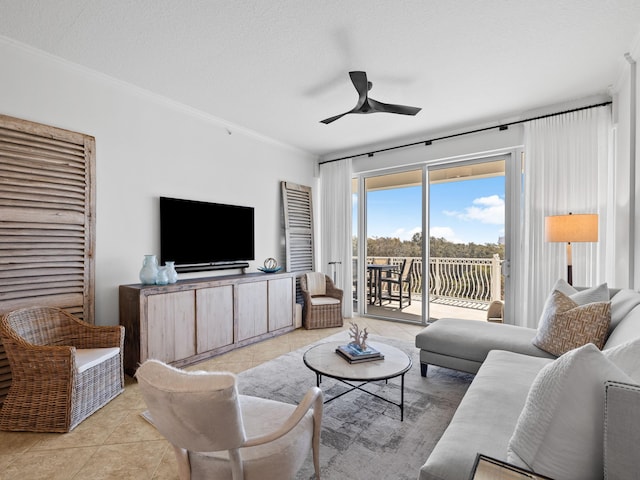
[
  {"x": 423, "y": 369},
  {"x": 318, "y": 410},
  {"x": 237, "y": 470}
]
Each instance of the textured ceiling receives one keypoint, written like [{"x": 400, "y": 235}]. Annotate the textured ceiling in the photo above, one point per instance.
[{"x": 277, "y": 67}]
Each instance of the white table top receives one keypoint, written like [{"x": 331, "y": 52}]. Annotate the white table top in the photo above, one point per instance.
[{"x": 324, "y": 360}]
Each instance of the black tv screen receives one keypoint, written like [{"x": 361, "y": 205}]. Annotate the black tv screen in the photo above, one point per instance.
[{"x": 204, "y": 233}]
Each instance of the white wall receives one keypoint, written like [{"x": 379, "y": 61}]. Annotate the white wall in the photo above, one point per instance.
[{"x": 147, "y": 146}]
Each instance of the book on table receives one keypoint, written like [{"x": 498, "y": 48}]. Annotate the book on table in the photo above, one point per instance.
[{"x": 354, "y": 354}]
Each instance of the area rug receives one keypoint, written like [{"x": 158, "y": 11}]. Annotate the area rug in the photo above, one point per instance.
[{"x": 362, "y": 436}]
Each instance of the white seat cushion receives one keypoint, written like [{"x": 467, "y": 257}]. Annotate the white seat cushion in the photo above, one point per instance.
[
  {"x": 324, "y": 301},
  {"x": 279, "y": 459},
  {"x": 90, "y": 357}
]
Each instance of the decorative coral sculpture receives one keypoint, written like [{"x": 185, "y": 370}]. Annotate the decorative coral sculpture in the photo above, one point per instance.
[{"x": 358, "y": 337}]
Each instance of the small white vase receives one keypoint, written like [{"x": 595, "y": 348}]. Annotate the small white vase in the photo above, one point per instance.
[
  {"x": 149, "y": 270},
  {"x": 172, "y": 275}
]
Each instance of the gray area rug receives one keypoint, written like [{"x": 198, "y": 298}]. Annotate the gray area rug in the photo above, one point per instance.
[{"x": 362, "y": 436}]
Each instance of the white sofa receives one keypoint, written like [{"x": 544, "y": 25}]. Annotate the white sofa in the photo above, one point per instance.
[{"x": 504, "y": 391}]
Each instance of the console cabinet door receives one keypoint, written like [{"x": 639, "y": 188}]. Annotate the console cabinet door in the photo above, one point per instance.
[
  {"x": 280, "y": 303},
  {"x": 171, "y": 326},
  {"x": 251, "y": 309},
  {"x": 214, "y": 317}
]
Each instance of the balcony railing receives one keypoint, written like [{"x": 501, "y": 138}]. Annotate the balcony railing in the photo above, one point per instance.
[{"x": 472, "y": 280}]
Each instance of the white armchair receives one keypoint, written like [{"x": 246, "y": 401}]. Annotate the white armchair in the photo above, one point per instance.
[{"x": 217, "y": 433}]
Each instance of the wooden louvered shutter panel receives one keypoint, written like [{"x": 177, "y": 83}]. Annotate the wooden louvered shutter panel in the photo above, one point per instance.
[
  {"x": 298, "y": 220},
  {"x": 47, "y": 221}
]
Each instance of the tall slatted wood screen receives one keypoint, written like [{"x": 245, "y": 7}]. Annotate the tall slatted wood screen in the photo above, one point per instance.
[
  {"x": 47, "y": 221},
  {"x": 298, "y": 220}
]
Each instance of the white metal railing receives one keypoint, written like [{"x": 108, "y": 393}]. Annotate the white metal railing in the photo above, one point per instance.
[{"x": 468, "y": 279}]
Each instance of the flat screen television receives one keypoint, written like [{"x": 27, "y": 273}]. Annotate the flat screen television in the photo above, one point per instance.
[{"x": 200, "y": 234}]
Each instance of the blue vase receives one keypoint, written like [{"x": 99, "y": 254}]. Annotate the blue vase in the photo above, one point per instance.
[
  {"x": 172, "y": 275},
  {"x": 162, "y": 278},
  {"x": 149, "y": 270}
]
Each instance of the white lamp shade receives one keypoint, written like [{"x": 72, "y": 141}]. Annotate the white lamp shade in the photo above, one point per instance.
[{"x": 571, "y": 228}]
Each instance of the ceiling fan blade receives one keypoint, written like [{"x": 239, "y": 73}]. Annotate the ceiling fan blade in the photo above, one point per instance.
[
  {"x": 359, "y": 80},
  {"x": 327, "y": 121},
  {"x": 368, "y": 105},
  {"x": 390, "y": 108}
]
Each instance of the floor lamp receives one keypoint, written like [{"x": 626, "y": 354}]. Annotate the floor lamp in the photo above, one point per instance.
[{"x": 571, "y": 228}]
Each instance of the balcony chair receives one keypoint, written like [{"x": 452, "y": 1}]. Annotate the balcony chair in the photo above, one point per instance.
[
  {"x": 322, "y": 301},
  {"x": 399, "y": 279},
  {"x": 217, "y": 433},
  {"x": 62, "y": 369}
]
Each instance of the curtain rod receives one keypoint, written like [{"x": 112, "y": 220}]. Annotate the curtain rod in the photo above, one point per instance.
[{"x": 503, "y": 126}]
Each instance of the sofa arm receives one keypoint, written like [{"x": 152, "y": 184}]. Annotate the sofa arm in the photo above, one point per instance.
[{"x": 621, "y": 430}]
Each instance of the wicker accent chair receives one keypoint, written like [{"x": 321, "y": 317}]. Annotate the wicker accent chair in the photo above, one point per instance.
[
  {"x": 63, "y": 369},
  {"x": 322, "y": 301},
  {"x": 218, "y": 433}
]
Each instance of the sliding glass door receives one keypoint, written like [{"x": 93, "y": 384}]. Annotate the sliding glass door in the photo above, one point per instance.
[
  {"x": 457, "y": 271},
  {"x": 391, "y": 266},
  {"x": 467, "y": 239}
]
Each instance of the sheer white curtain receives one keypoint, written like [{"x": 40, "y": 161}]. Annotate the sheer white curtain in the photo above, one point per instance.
[
  {"x": 335, "y": 227},
  {"x": 566, "y": 170}
]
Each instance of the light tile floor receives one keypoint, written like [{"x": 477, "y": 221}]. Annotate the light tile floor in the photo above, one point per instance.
[{"x": 116, "y": 443}]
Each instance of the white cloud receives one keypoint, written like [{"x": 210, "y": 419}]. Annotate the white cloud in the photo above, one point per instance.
[
  {"x": 488, "y": 210},
  {"x": 445, "y": 232},
  {"x": 404, "y": 234}
]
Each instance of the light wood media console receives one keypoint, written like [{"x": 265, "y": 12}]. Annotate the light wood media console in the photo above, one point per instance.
[{"x": 196, "y": 319}]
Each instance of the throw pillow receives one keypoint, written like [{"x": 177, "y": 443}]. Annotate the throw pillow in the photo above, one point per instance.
[
  {"x": 626, "y": 357},
  {"x": 565, "y": 325},
  {"x": 560, "y": 431},
  {"x": 599, "y": 293}
]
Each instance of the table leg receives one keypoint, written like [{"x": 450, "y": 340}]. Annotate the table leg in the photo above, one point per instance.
[{"x": 402, "y": 398}]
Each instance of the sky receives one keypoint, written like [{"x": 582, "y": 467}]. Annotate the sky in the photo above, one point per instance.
[{"x": 460, "y": 211}]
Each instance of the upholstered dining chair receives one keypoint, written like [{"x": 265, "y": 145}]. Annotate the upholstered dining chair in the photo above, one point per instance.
[
  {"x": 322, "y": 301},
  {"x": 217, "y": 433},
  {"x": 62, "y": 369}
]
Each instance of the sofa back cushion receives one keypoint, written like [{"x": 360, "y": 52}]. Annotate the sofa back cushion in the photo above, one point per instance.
[
  {"x": 626, "y": 356},
  {"x": 621, "y": 305},
  {"x": 627, "y": 329}
]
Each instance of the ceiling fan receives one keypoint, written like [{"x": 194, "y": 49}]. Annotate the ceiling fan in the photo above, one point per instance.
[{"x": 369, "y": 105}]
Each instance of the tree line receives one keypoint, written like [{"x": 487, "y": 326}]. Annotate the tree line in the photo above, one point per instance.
[{"x": 438, "y": 247}]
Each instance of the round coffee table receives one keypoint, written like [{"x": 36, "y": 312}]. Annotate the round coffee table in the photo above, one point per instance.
[{"x": 323, "y": 360}]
